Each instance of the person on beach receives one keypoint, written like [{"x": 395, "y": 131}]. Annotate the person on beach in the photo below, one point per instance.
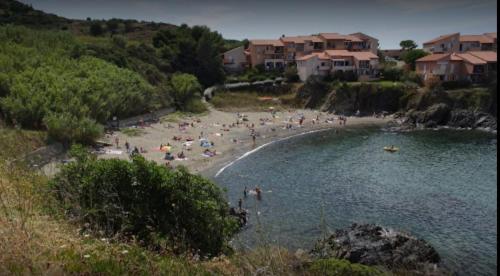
[
  {"x": 117, "y": 141},
  {"x": 253, "y": 138},
  {"x": 127, "y": 146}
]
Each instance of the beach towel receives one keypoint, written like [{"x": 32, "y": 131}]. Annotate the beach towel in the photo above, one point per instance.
[
  {"x": 166, "y": 148},
  {"x": 112, "y": 151},
  {"x": 180, "y": 159},
  {"x": 188, "y": 144}
]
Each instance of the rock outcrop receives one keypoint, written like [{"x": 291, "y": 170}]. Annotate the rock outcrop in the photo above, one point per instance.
[
  {"x": 375, "y": 245},
  {"x": 439, "y": 115}
]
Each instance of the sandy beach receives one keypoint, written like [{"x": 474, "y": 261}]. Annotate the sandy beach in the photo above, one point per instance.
[{"x": 229, "y": 135}]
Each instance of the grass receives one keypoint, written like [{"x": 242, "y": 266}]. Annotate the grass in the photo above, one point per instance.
[
  {"x": 16, "y": 142},
  {"x": 381, "y": 83},
  {"x": 133, "y": 132},
  {"x": 252, "y": 101}
]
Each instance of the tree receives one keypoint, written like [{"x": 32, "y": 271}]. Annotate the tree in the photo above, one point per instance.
[
  {"x": 291, "y": 74},
  {"x": 408, "y": 44},
  {"x": 210, "y": 70},
  {"x": 96, "y": 29},
  {"x": 112, "y": 25},
  {"x": 411, "y": 56},
  {"x": 184, "y": 87}
]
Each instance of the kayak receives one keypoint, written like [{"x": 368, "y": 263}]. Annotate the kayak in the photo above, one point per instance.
[{"x": 391, "y": 149}]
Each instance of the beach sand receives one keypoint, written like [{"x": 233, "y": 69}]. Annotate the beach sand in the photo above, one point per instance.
[{"x": 229, "y": 142}]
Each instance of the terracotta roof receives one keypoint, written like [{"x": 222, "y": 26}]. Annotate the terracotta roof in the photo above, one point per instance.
[
  {"x": 306, "y": 57},
  {"x": 343, "y": 53},
  {"x": 441, "y": 37},
  {"x": 488, "y": 56},
  {"x": 337, "y": 36},
  {"x": 479, "y": 38},
  {"x": 364, "y": 55},
  {"x": 433, "y": 57},
  {"x": 356, "y": 55},
  {"x": 363, "y": 36},
  {"x": 301, "y": 38},
  {"x": 321, "y": 55},
  {"x": 493, "y": 35},
  {"x": 273, "y": 42},
  {"x": 471, "y": 59}
]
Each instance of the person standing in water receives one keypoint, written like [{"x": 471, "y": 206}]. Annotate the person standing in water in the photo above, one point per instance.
[
  {"x": 240, "y": 203},
  {"x": 245, "y": 192}
]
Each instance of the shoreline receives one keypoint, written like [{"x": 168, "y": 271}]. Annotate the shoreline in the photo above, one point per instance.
[{"x": 217, "y": 127}]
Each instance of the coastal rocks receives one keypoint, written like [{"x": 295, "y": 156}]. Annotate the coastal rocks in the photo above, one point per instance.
[
  {"x": 441, "y": 115},
  {"x": 437, "y": 114},
  {"x": 240, "y": 215},
  {"x": 370, "y": 244}
]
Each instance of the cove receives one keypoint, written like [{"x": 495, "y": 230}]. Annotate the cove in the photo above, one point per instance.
[{"x": 441, "y": 186}]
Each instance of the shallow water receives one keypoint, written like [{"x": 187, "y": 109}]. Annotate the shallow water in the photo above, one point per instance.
[{"x": 441, "y": 186}]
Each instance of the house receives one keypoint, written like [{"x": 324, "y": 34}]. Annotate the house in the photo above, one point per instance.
[
  {"x": 268, "y": 52},
  {"x": 473, "y": 65},
  {"x": 364, "y": 64},
  {"x": 235, "y": 60},
  {"x": 452, "y": 43},
  {"x": 443, "y": 44}
]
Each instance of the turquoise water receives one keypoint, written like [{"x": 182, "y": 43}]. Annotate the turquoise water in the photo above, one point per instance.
[{"x": 441, "y": 186}]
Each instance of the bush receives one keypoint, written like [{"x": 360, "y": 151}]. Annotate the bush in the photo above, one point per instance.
[
  {"x": 449, "y": 85},
  {"x": 67, "y": 128},
  {"x": 392, "y": 73},
  {"x": 291, "y": 74},
  {"x": 335, "y": 267},
  {"x": 195, "y": 106},
  {"x": 161, "y": 208},
  {"x": 340, "y": 75},
  {"x": 412, "y": 76}
]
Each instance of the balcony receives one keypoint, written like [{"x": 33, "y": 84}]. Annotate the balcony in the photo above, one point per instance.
[{"x": 343, "y": 68}]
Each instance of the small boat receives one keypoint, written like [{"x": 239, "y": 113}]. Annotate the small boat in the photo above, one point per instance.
[{"x": 391, "y": 149}]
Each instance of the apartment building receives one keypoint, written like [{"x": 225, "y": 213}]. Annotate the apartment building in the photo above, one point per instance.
[
  {"x": 269, "y": 52},
  {"x": 364, "y": 64},
  {"x": 453, "y": 43},
  {"x": 275, "y": 54},
  {"x": 472, "y": 65}
]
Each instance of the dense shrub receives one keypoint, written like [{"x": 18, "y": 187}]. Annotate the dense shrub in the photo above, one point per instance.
[
  {"x": 449, "y": 85},
  {"x": 392, "y": 73},
  {"x": 291, "y": 74},
  {"x": 162, "y": 208},
  {"x": 48, "y": 73}
]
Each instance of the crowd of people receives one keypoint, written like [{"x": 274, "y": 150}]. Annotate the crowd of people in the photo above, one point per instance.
[{"x": 180, "y": 146}]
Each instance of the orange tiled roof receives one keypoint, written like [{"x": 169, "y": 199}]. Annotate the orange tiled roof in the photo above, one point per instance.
[
  {"x": 433, "y": 57},
  {"x": 301, "y": 38},
  {"x": 364, "y": 55},
  {"x": 441, "y": 37},
  {"x": 471, "y": 59},
  {"x": 493, "y": 35},
  {"x": 356, "y": 55},
  {"x": 343, "y": 53},
  {"x": 337, "y": 36},
  {"x": 273, "y": 42},
  {"x": 321, "y": 55},
  {"x": 479, "y": 38},
  {"x": 488, "y": 56}
]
